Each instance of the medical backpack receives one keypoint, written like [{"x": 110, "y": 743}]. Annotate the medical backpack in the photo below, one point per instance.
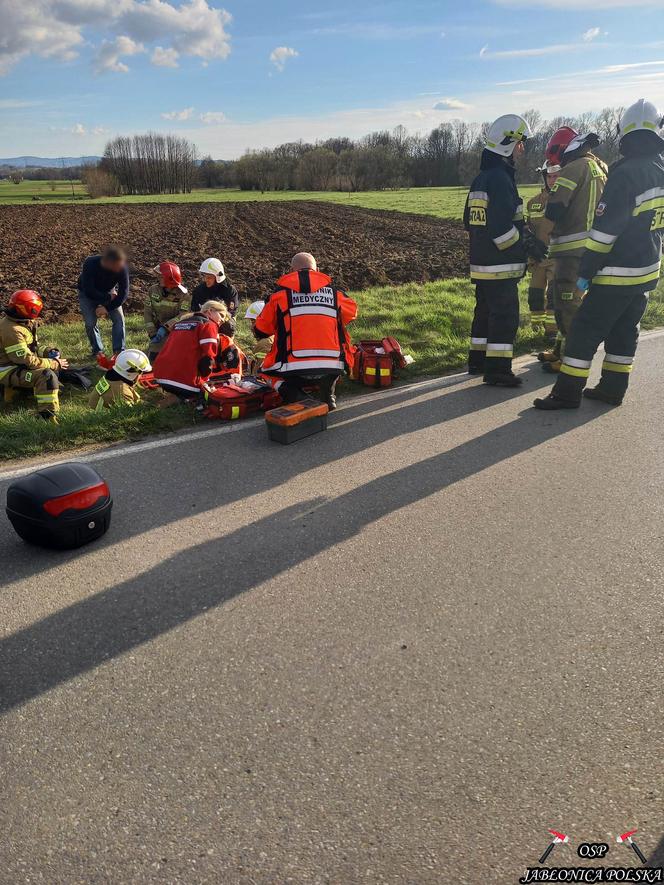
[{"x": 376, "y": 363}]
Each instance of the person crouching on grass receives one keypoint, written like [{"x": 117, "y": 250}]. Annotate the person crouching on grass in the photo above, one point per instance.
[
  {"x": 103, "y": 287},
  {"x": 192, "y": 351}
]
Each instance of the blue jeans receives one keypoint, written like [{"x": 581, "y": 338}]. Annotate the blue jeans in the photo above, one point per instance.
[{"x": 88, "y": 311}]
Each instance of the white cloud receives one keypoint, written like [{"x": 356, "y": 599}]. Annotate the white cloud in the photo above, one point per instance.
[
  {"x": 79, "y": 129},
  {"x": 592, "y": 34},
  {"x": 165, "y": 58},
  {"x": 110, "y": 52},
  {"x": 449, "y": 104},
  {"x": 532, "y": 52},
  {"x": 280, "y": 56},
  {"x": 184, "y": 114},
  {"x": 211, "y": 117},
  {"x": 54, "y": 29}
]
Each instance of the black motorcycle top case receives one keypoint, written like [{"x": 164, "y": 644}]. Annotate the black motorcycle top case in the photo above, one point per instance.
[{"x": 63, "y": 507}]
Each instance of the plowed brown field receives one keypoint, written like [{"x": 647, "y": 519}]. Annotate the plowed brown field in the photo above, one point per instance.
[{"x": 42, "y": 247}]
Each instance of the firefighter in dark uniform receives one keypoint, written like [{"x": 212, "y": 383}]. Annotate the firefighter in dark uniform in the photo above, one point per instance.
[
  {"x": 499, "y": 248},
  {"x": 620, "y": 266},
  {"x": 21, "y": 366}
]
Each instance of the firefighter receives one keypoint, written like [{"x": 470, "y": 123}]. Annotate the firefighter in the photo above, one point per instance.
[
  {"x": 620, "y": 266},
  {"x": 307, "y": 315},
  {"x": 568, "y": 218},
  {"x": 260, "y": 348},
  {"x": 21, "y": 367},
  {"x": 118, "y": 385},
  {"x": 215, "y": 286},
  {"x": 540, "y": 291},
  {"x": 499, "y": 247},
  {"x": 190, "y": 351},
  {"x": 164, "y": 304}
]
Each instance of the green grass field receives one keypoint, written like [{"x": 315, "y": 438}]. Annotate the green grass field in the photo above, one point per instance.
[
  {"x": 442, "y": 202},
  {"x": 431, "y": 322}
]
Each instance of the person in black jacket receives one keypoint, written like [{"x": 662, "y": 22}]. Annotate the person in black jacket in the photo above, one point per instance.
[
  {"x": 216, "y": 287},
  {"x": 499, "y": 248},
  {"x": 103, "y": 287},
  {"x": 619, "y": 268}
]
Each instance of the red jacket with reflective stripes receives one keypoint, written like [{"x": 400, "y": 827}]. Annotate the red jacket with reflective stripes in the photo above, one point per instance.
[
  {"x": 308, "y": 318},
  {"x": 191, "y": 340}
]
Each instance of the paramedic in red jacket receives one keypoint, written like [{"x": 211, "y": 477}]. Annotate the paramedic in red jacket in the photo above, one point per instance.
[
  {"x": 188, "y": 356},
  {"x": 308, "y": 317}
]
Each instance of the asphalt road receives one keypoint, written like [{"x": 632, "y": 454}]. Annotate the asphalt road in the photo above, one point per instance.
[{"x": 396, "y": 652}]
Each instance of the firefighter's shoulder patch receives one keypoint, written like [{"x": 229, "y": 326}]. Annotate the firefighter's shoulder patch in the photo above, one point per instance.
[{"x": 601, "y": 209}]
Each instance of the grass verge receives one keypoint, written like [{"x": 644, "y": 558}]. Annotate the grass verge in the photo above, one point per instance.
[{"x": 431, "y": 322}]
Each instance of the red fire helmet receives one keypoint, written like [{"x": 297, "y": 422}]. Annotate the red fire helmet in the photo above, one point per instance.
[
  {"x": 557, "y": 144},
  {"x": 26, "y": 303}
]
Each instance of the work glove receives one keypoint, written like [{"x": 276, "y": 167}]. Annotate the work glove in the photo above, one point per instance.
[
  {"x": 159, "y": 336},
  {"x": 205, "y": 366},
  {"x": 535, "y": 249}
]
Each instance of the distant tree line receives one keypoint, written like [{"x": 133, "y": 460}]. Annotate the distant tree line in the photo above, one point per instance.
[
  {"x": 41, "y": 173},
  {"x": 149, "y": 164},
  {"x": 449, "y": 155}
]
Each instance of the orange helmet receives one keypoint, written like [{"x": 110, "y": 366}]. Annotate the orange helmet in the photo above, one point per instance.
[
  {"x": 558, "y": 143},
  {"x": 26, "y": 303},
  {"x": 171, "y": 276}
]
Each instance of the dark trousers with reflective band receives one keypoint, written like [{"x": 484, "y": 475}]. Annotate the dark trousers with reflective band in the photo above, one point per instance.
[
  {"x": 540, "y": 293},
  {"x": 494, "y": 327},
  {"x": 610, "y": 314}
]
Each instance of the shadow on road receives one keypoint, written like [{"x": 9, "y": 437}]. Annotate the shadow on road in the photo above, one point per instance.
[
  {"x": 231, "y": 481},
  {"x": 657, "y": 857},
  {"x": 105, "y": 625}
]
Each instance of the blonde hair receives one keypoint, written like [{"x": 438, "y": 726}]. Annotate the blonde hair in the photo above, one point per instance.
[{"x": 219, "y": 306}]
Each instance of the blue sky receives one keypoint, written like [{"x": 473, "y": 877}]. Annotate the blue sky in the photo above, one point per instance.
[{"x": 238, "y": 75}]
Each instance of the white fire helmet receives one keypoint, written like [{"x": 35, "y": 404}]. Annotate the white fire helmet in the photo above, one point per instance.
[
  {"x": 642, "y": 115},
  {"x": 131, "y": 363},
  {"x": 505, "y": 133},
  {"x": 215, "y": 267},
  {"x": 254, "y": 310}
]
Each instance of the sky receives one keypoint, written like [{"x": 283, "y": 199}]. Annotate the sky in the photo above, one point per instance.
[{"x": 245, "y": 74}]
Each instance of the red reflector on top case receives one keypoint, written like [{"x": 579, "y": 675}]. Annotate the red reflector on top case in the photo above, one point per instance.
[{"x": 77, "y": 500}]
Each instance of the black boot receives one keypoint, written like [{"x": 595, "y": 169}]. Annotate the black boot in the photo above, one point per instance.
[
  {"x": 503, "y": 379},
  {"x": 326, "y": 391},
  {"x": 601, "y": 395},
  {"x": 553, "y": 403}
]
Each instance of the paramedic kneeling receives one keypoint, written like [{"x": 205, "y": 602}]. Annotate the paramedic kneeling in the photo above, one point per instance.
[
  {"x": 308, "y": 317},
  {"x": 188, "y": 355}
]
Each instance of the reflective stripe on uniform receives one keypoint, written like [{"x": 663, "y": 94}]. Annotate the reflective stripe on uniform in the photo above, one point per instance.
[
  {"x": 5, "y": 370},
  {"x": 568, "y": 242},
  {"x": 504, "y": 351},
  {"x": 615, "y": 358},
  {"x": 478, "y": 198},
  {"x": 496, "y": 271},
  {"x": 478, "y": 343},
  {"x": 177, "y": 384},
  {"x": 307, "y": 364},
  {"x": 650, "y": 199},
  {"x": 313, "y": 353},
  {"x": 598, "y": 241},
  {"x": 47, "y": 397},
  {"x": 627, "y": 276},
  {"x": 576, "y": 368},
  {"x": 564, "y": 182},
  {"x": 315, "y": 311},
  {"x": 504, "y": 241},
  {"x": 608, "y": 366},
  {"x": 208, "y": 340}
]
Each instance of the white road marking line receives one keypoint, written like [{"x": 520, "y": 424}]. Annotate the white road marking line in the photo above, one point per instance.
[{"x": 164, "y": 442}]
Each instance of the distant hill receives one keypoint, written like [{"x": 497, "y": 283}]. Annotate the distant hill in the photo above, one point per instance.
[{"x": 47, "y": 162}]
